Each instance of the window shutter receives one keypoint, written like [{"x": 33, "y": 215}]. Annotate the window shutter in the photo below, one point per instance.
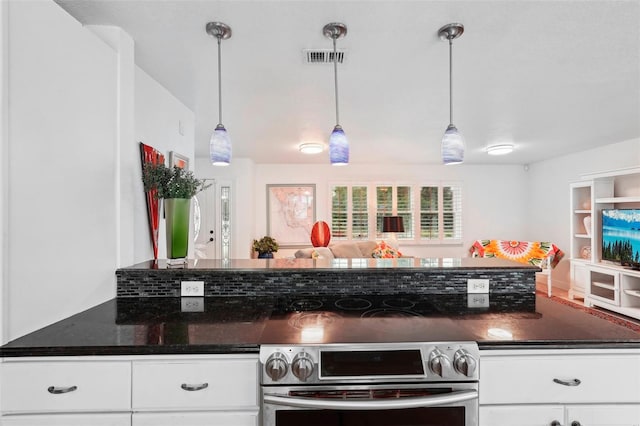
[
  {"x": 429, "y": 223},
  {"x": 339, "y": 212},
  {"x": 360, "y": 214},
  {"x": 452, "y": 212},
  {"x": 404, "y": 209}
]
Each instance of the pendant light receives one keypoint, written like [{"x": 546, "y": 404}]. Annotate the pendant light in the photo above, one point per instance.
[
  {"x": 452, "y": 141},
  {"x": 220, "y": 142},
  {"x": 338, "y": 143}
]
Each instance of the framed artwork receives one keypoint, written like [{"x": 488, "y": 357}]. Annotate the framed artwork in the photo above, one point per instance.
[
  {"x": 179, "y": 160},
  {"x": 291, "y": 213},
  {"x": 149, "y": 154}
]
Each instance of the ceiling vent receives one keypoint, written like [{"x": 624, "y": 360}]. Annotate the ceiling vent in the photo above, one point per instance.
[{"x": 322, "y": 56}]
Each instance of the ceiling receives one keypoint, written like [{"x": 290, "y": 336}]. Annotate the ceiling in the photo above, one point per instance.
[{"x": 551, "y": 77}]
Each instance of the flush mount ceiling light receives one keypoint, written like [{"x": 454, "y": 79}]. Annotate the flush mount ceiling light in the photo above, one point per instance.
[
  {"x": 220, "y": 142},
  {"x": 338, "y": 143},
  {"x": 500, "y": 149},
  {"x": 311, "y": 148},
  {"x": 452, "y": 141}
]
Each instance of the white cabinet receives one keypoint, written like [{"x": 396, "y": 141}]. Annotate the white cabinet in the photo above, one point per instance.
[
  {"x": 120, "y": 391},
  {"x": 218, "y": 389},
  {"x": 195, "y": 419},
  {"x": 521, "y": 415},
  {"x": 587, "y": 199},
  {"x": 614, "y": 288},
  {"x": 579, "y": 279},
  {"x": 584, "y": 227},
  {"x": 32, "y": 385},
  {"x": 93, "y": 419},
  {"x": 526, "y": 415},
  {"x": 538, "y": 387}
]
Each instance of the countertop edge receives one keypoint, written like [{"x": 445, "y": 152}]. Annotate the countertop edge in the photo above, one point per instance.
[{"x": 249, "y": 349}]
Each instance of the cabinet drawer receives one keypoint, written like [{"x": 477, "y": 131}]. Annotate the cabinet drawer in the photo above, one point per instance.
[
  {"x": 65, "y": 386},
  {"x": 67, "y": 420},
  {"x": 195, "y": 419},
  {"x": 530, "y": 379},
  {"x": 202, "y": 384},
  {"x": 521, "y": 415}
]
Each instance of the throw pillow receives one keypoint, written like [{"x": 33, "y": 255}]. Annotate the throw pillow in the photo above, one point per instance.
[
  {"x": 366, "y": 247},
  {"x": 385, "y": 251},
  {"x": 322, "y": 253}
]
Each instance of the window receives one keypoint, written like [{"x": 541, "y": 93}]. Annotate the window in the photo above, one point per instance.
[
  {"x": 431, "y": 213},
  {"x": 349, "y": 212},
  {"x": 440, "y": 213}
]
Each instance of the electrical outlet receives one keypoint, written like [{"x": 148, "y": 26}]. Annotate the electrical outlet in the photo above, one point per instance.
[
  {"x": 192, "y": 304},
  {"x": 192, "y": 288},
  {"x": 478, "y": 301},
  {"x": 478, "y": 285}
]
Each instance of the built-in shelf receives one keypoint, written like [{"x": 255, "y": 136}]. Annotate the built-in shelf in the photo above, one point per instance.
[
  {"x": 603, "y": 285},
  {"x": 618, "y": 200},
  {"x": 582, "y": 236},
  {"x": 634, "y": 293},
  {"x": 582, "y": 211}
]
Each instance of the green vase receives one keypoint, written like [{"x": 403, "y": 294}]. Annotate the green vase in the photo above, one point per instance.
[{"x": 177, "y": 225}]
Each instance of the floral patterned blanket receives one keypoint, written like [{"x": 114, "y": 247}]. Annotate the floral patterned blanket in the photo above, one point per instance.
[{"x": 530, "y": 252}]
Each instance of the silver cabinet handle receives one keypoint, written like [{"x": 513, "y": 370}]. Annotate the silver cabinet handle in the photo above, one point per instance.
[
  {"x": 192, "y": 388},
  {"x": 378, "y": 404},
  {"x": 574, "y": 382},
  {"x": 54, "y": 390}
]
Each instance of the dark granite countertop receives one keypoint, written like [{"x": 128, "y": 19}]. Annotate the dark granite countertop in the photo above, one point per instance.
[{"x": 145, "y": 326}]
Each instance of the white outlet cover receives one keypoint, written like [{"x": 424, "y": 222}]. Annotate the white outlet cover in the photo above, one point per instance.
[
  {"x": 192, "y": 304},
  {"x": 192, "y": 288},
  {"x": 478, "y": 285}
]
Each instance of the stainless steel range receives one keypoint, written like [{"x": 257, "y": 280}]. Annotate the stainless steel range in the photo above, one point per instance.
[{"x": 377, "y": 384}]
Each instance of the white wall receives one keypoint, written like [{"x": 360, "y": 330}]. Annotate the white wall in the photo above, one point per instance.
[
  {"x": 496, "y": 213},
  {"x": 4, "y": 164},
  {"x": 548, "y": 193},
  {"x": 61, "y": 226},
  {"x": 158, "y": 119}
]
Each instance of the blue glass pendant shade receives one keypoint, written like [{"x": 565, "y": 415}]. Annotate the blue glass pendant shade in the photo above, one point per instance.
[
  {"x": 452, "y": 146},
  {"x": 338, "y": 147},
  {"x": 220, "y": 147}
]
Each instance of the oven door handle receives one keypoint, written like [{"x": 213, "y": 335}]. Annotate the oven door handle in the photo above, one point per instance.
[{"x": 372, "y": 404}]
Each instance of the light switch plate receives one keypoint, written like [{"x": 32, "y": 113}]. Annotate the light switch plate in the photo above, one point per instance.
[
  {"x": 192, "y": 288},
  {"x": 478, "y": 285}
]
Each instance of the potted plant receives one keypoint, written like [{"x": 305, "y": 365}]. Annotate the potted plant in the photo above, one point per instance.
[
  {"x": 176, "y": 186},
  {"x": 265, "y": 247}
]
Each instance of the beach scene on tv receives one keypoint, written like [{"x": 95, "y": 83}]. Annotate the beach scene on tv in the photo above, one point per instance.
[{"x": 621, "y": 236}]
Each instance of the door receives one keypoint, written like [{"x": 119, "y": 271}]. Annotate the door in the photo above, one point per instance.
[
  {"x": 204, "y": 222},
  {"x": 212, "y": 221}
]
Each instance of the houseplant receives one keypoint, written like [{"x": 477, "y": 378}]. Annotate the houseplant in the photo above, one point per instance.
[
  {"x": 176, "y": 186},
  {"x": 265, "y": 247}
]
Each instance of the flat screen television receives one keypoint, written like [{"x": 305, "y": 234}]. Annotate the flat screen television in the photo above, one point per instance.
[{"x": 621, "y": 236}]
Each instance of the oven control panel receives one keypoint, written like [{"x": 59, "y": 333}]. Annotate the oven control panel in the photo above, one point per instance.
[{"x": 369, "y": 363}]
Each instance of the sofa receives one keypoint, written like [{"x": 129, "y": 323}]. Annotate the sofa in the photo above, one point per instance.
[
  {"x": 536, "y": 253},
  {"x": 350, "y": 250}
]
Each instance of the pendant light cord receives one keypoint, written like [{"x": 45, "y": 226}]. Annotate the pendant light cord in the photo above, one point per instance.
[
  {"x": 335, "y": 76},
  {"x": 219, "y": 82},
  {"x": 450, "y": 82}
]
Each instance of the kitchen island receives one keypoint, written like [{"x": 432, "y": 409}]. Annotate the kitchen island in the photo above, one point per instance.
[
  {"x": 175, "y": 361},
  {"x": 138, "y": 361}
]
